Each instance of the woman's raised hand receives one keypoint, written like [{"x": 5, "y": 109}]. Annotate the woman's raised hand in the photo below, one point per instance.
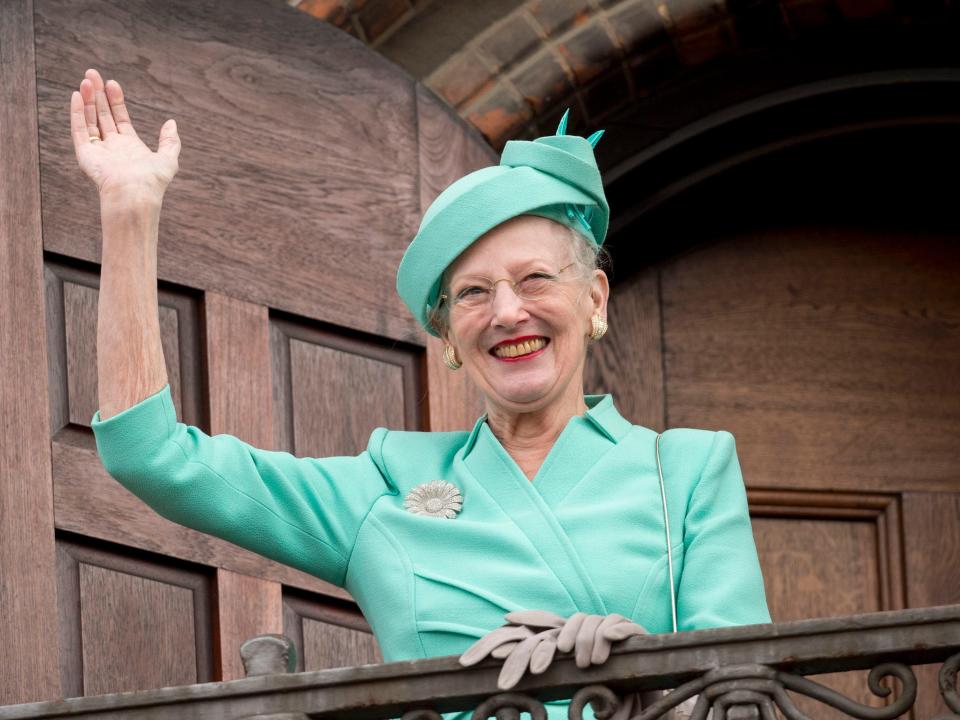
[{"x": 108, "y": 149}]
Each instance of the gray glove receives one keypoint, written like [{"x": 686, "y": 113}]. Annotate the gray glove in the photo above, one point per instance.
[{"x": 533, "y": 637}]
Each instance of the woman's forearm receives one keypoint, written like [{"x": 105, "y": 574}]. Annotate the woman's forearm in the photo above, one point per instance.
[{"x": 130, "y": 363}]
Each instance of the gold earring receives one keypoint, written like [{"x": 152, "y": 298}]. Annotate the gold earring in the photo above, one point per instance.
[
  {"x": 450, "y": 358},
  {"x": 599, "y": 327}
]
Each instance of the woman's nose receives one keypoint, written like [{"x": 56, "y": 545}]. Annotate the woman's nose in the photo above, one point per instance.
[{"x": 506, "y": 307}]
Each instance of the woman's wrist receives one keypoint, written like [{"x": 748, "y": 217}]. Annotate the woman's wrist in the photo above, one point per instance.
[
  {"x": 130, "y": 201},
  {"x": 129, "y": 223}
]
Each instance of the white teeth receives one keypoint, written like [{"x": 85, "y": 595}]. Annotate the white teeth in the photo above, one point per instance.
[{"x": 524, "y": 348}]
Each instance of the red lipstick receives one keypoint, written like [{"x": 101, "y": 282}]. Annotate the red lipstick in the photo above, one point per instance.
[{"x": 517, "y": 341}]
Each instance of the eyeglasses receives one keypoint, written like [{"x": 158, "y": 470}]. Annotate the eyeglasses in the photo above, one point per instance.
[{"x": 479, "y": 292}]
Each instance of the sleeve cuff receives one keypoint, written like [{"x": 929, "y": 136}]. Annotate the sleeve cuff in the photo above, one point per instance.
[{"x": 135, "y": 431}]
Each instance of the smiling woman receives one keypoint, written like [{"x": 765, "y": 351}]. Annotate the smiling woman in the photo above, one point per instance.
[
  {"x": 554, "y": 512},
  {"x": 522, "y": 338}
]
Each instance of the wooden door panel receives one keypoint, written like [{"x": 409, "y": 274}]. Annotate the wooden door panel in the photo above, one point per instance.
[
  {"x": 931, "y": 524},
  {"x": 130, "y": 623},
  {"x": 71, "y": 291},
  {"x": 833, "y": 354},
  {"x": 829, "y": 554},
  {"x": 346, "y": 386},
  {"x": 267, "y": 210},
  {"x": 628, "y": 360},
  {"x": 818, "y": 568},
  {"x": 326, "y": 645},
  {"x": 331, "y": 414},
  {"x": 80, "y": 320},
  {"x": 327, "y": 635}
]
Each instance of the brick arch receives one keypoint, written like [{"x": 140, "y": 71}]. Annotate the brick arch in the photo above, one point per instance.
[{"x": 602, "y": 57}]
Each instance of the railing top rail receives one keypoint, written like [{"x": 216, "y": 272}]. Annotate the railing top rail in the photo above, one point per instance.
[{"x": 913, "y": 637}]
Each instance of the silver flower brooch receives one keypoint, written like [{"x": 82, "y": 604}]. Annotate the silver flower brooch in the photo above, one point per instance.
[{"x": 436, "y": 498}]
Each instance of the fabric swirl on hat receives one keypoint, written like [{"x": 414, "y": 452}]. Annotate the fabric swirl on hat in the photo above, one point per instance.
[{"x": 554, "y": 176}]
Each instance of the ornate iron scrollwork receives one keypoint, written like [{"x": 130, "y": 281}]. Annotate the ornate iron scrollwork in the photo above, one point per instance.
[
  {"x": 948, "y": 686},
  {"x": 421, "y": 714},
  {"x": 508, "y": 706},
  {"x": 754, "y": 692},
  {"x": 604, "y": 701}
]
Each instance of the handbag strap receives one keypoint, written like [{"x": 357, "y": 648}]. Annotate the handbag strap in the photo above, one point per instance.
[{"x": 666, "y": 524}]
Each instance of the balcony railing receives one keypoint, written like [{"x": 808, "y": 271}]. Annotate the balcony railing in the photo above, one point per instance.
[{"x": 741, "y": 673}]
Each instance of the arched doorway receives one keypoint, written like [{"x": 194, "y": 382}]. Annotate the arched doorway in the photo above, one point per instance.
[{"x": 787, "y": 269}]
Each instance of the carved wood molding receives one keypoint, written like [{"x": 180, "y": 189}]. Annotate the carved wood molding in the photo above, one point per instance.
[{"x": 882, "y": 510}]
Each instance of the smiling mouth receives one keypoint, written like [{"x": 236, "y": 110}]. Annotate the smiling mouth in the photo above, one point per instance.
[{"x": 519, "y": 348}]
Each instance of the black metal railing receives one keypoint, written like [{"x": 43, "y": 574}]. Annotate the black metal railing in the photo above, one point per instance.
[{"x": 740, "y": 673}]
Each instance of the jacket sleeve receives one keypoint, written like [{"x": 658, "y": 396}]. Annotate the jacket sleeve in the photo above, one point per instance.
[
  {"x": 721, "y": 583},
  {"x": 304, "y": 512}
]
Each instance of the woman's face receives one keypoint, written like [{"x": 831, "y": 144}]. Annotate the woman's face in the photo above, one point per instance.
[{"x": 523, "y": 354}]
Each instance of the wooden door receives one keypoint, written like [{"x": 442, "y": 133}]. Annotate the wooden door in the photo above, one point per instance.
[
  {"x": 817, "y": 320},
  {"x": 307, "y": 160}
]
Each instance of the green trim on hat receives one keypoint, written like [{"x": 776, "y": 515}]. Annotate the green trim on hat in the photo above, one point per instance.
[{"x": 554, "y": 177}]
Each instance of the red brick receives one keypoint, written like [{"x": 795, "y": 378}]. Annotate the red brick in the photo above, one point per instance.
[
  {"x": 588, "y": 51},
  {"x": 330, "y": 10},
  {"x": 638, "y": 26},
  {"x": 555, "y": 16},
  {"x": 510, "y": 42},
  {"x": 542, "y": 81},
  {"x": 460, "y": 78},
  {"x": 378, "y": 16},
  {"x": 688, "y": 16},
  {"x": 709, "y": 44},
  {"x": 498, "y": 115}
]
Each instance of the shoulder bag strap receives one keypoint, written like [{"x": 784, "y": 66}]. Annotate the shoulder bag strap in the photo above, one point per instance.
[{"x": 666, "y": 524}]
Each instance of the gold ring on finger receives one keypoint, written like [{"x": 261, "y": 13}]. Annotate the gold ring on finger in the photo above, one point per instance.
[{"x": 95, "y": 138}]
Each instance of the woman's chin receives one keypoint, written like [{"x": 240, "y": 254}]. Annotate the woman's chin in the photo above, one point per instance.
[{"x": 525, "y": 395}]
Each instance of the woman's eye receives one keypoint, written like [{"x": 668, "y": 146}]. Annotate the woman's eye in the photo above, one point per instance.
[
  {"x": 471, "y": 291},
  {"x": 536, "y": 282}
]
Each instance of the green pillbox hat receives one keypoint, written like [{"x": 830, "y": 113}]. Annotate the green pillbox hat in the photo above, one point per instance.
[{"x": 554, "y": 176}]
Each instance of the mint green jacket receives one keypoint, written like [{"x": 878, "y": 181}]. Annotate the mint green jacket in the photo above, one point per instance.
[{"x": 586, "y": 534}]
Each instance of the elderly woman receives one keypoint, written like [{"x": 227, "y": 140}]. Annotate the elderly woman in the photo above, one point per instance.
[{"x": 554, "y": 509}]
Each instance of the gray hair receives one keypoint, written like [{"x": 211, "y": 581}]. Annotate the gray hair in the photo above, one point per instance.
[{"x": 586, "y": 254}]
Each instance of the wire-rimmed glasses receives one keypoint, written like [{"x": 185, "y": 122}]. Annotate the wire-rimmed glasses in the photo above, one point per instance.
[{"x": 478, "y": 293}]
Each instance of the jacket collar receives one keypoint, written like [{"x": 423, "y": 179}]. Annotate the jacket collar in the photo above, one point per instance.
[{"x": 601, "y": 412}]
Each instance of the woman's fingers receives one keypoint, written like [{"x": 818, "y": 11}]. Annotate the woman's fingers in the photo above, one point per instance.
[
  {"x": 104, "y": 115},
  {"x": 516, "y": 663},
  {"x": 543, "y": 654},
  {"x": 118, "y": 108},
  {"x": 585, "y": 639},
  {"x": 623, "y": 630},
  {"x": 601, "y": 644},
  {"x": 535, "y": 618},
  {"x": 485, "y": 645},
  {"x": 169, "y": 144},
  {"x": 568, "y": 635},
  {"x": 78, "y": 125},
  {"x": 89, "y": 108},
  {"x": 502, "y": 651}
]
